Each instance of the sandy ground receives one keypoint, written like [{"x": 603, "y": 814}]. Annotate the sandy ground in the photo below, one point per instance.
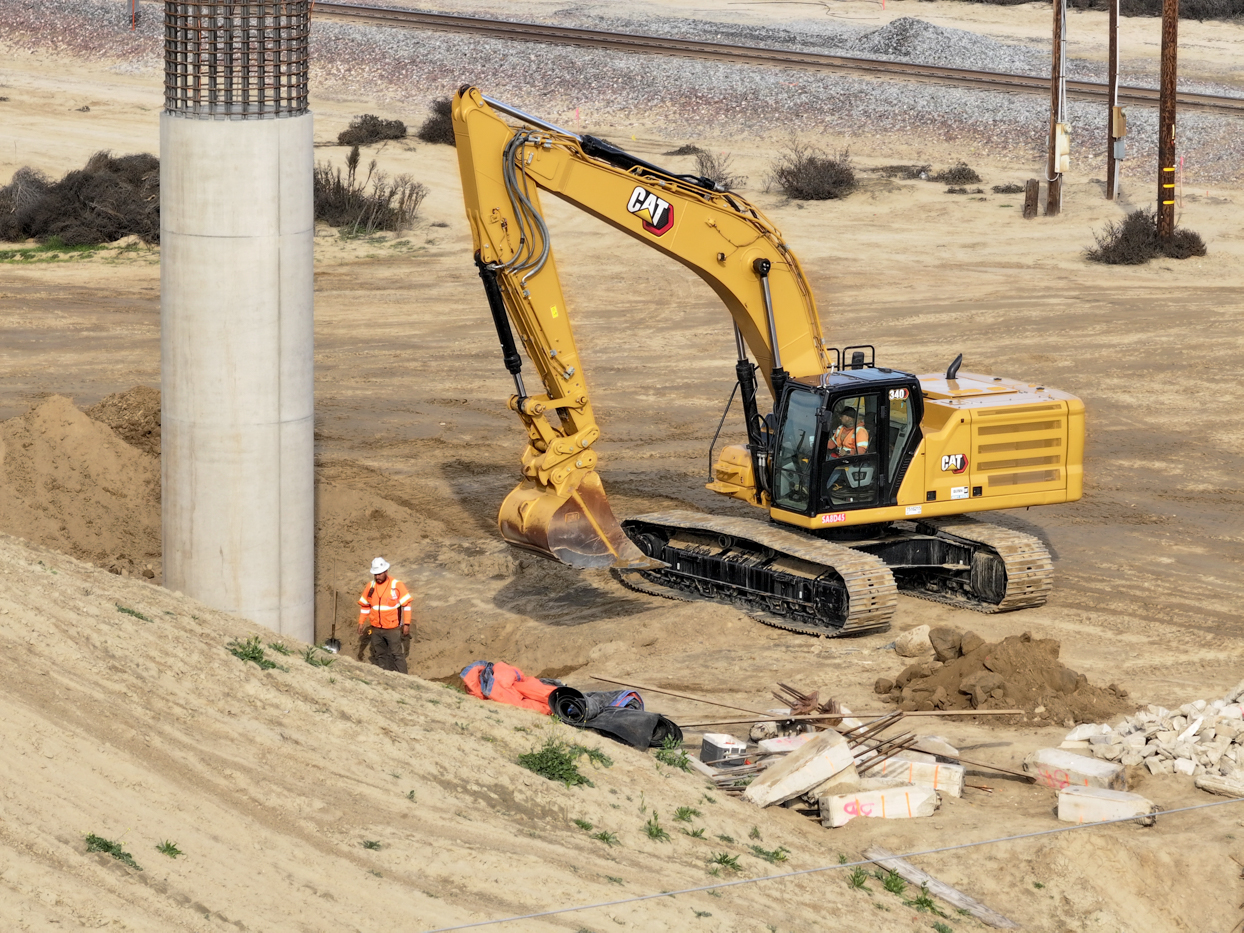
[{"x": 271, "y": 781}]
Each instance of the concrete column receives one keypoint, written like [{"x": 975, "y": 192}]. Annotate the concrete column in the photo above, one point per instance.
[{"x": 237, "y": 229}]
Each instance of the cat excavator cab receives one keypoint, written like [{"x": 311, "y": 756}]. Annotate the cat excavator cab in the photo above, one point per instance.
[{"x": 867, "y": 474}]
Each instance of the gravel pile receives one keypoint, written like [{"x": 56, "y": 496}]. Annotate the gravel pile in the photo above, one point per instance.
[
  {"x": 403, "y": 69},
  {"x": 913, "y": 40},
  {"x": 1203, "y": 737}
]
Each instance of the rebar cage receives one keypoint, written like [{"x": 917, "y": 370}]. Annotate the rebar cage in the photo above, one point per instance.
[{"x": 236, "y": 59}]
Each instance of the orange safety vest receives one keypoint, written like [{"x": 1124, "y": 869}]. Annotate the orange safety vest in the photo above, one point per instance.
[
  {"x": 387, "y": 600},
  {"x": 850, "y": 441}
]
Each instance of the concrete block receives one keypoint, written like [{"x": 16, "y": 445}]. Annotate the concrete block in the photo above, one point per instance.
[
  {"x": 1096, "y": 804},
  {"x": 1086, "y": 731},
  {"x": 1134, "y": 740},
  {"x": 1184, "y": 766},
  {"x": 800, "y": 771},
  {"x": 1078, "y": 745},
  {"x": 1158, "y": 765},
  {"x": 1131, "y": 758},
  {"x": 892, "y": 803},
  {"x": 1233, "y": 711},
  {"x": 1223, "y": 786},
  {"x": 846, "y": 781},
  {"x": 946, "y": 778},
  {"x": 1057, "y": 768},
  {"x": 785, "y": 743},
  {"x": 1108, "y": 752},
  {"x": 1193, "y": 728},
  {"x": 936, "y": 745}
]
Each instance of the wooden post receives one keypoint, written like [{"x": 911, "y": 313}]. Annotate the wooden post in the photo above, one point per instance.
[
  {"x": 1032, "y": 195},
  {"x": 1054, "y": 198},
  {"x": 1166, "y": 121},
  {"x": 1112, "y": 101}
]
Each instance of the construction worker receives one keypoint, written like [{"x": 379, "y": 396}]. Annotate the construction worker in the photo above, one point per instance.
[
  {"x": 851, "y": 439},
  {"x": 385, "y": 606}
]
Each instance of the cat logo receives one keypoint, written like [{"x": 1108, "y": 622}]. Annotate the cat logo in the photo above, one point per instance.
[
  {"x": 656, "y": 213},
  {"x": 954, "y": 463}
]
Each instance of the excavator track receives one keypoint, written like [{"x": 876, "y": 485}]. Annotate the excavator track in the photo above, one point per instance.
[
  {"x": 779, "y": 577},
  {"x": 1017, "y": 568}
]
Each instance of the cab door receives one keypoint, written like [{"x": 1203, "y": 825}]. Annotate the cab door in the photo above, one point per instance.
[
  {"x": 796, "y": 452},
  {"x": 852, "y": 450}
]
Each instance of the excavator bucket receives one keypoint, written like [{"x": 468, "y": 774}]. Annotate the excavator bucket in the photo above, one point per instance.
[{"x": 579, "y": 529}]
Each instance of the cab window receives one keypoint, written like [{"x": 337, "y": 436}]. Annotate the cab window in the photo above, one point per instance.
[
  {"x": 792, "y": 488},
  {"x": 901, "y": 425}
]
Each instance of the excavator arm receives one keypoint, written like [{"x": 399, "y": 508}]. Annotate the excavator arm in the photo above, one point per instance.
[{"x": 560, "y": 508}]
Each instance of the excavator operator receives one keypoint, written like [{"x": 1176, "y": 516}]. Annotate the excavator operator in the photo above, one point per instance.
[{"x": 851, "y": 438}]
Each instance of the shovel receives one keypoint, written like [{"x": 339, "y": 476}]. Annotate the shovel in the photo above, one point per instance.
[{"x": 333, "y": 645}]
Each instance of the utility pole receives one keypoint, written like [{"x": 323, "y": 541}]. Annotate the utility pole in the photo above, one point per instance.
[
  {"x": 1166, "y": 121},
  {"x": 1059, "y": 140},
  {"x": 1116, "y": 123}
]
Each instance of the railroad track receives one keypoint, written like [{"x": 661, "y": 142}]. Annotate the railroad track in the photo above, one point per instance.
[{"x": 746, "y": 55}]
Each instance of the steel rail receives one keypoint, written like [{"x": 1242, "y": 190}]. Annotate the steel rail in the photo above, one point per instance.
[{"x": 745, "y": 55}]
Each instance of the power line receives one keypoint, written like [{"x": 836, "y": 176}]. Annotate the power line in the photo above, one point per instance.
[{"x": 811, "y": 871}]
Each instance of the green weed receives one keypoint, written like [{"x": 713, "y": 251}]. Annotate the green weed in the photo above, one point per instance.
[
  {"x": 941, "y": 927},
  {"x": 371, "y": 844},
  {"x": 686, "y": 814},
  {"x": 100, "y": 844},
  {"x": 701, "y": 913},
  {"x": 858, "y": 878},
  {"x": 556, "y": 761},
  {"x": 755, "y": 833},
  {"x": 724, "y": 838},
  {"x": 583, "y": 825},
  {"x": 671, "y": 753},
  {"x": 694, "y": 833},
  {"x": 279, "y": 648},
  {"x": 773, "y": 856},
  {"x": 654, "y": 829},
  {"x": 252, "y": 650},
  {"x": 609, "y": 839},
  {"x": 318, "y": 657},
  {"x": 924, "y": 902},
  {"x": 169, "y": 848},
  {"x": 134, "y": 612},
  {"x": 892, "y": 882},
  {"x": 708, "y": 799},
  {"x": 1038, "y": 885},
  {"x": 615, "y": 880},
  {"x": 410, "y": 795},
  {"x": 723, "y": 860}
]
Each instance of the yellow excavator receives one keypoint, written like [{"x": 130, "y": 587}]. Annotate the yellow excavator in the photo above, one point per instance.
[{"x": 866, "y": 473}]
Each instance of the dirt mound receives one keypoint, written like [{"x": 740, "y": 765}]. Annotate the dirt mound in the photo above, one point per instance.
[
  {"x": 1017, "y": 672},
  {"x": 134, "y": 415},
  {"x": 70, "y": 483}
]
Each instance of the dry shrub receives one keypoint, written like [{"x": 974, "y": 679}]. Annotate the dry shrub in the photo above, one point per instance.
[
  {"x": 108, "y": 199},
  {"x": 687, "y": 149},
  {"x": 958, "y": 174},
  {"x": 962, "y": 190},
  {"x": 439, "y": 128},
  {"x": 718, "y": 170},
  {"x": 806, "y": 173},
  {"x": 362, "y": 207},
  {"x": 370, "y": 128},
  {"x": 905, "y": 172},
  {"x": 1133, "y": 241},
  {"x": 1008, "y": 189}
]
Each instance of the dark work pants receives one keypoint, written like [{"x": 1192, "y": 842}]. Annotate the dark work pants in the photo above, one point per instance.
[{"x": 386, "y": 649}]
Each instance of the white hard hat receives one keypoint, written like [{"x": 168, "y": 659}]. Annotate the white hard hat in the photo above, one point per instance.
[{"x": 379, "y": 565}]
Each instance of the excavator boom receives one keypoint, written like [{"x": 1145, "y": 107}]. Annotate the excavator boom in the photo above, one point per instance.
[{"x": 560, "y": 507}]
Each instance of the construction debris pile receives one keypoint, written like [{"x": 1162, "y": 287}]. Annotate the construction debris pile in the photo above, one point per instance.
[
  {"x": 953, "y": 670},
  {"x": 1200, "y": 738}
]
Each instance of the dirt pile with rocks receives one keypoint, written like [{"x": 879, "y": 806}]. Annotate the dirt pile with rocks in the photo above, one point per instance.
[
  {"x": 1019, "y": 672},
  {"x": 70, "y": 483},
  {"x": 134, "y": 414}
]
